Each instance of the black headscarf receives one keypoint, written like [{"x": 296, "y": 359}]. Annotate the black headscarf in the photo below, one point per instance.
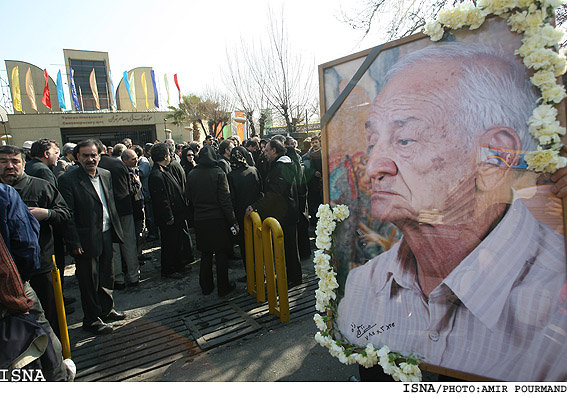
[
  {"x": 184, "y": 162},
  {"x": 237, "y": 157},
  {"x": 207, "y": 157}
]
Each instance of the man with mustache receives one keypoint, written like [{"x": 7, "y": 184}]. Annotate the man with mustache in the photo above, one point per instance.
[
  {"x": 476, "y": 283},
  {"x": 94, "y": 226}
]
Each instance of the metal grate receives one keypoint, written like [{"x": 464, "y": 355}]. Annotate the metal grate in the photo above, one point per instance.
[{"x": 149, "y": 343}]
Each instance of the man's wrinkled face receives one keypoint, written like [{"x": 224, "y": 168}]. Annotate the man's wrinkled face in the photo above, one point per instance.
[
  {"x": 228, "y": 150},
  {"x": 89, "y": 158},
  {"x": 417, "y": 160},
  {"x": 11, "y": 167},
  {"x": 270, "y": 153},
  {"x": 52, "y": 155},
  {"x": 132, "y": 161}
]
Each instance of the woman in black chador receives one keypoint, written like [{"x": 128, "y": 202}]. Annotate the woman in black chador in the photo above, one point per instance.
[{"x": 207, "y": 190}]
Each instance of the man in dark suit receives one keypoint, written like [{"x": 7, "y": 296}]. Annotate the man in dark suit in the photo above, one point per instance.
[
  {"x": 44, "y": 153},
  {"x": 170, "y": 212},
  {"x": 126, "y": 251},
  {"x": 48, "y": 207},
  {"x": 95, "y": 224}
]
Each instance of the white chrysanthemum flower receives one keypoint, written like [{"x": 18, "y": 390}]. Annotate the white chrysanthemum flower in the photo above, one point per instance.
[
  {"x": 321, "y": 324},
  {"x": 542, "y": 115},
  {"x": 543, "y": 79},
  {"x": 548, "y": 133},
  {"x": 545, "y": 160},
  {"x": 324, "y": 210},
  {"x": 383, "y": 351},
  {"x": 551, "y": 35},
  {"x": 539, "y": 58},
  {"x": 341, "y": 212},
  {"x": 553, "y": 93},
  {"x": 410, "y": 369},
  {"x": 434, "y": 30}
]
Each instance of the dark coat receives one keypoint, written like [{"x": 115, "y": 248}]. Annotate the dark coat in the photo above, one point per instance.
[
  {"x": 224, "y": 165},
  {"x": 249, "y": 158},
  {"x": 207, "y": 189},
  {"x": 168, "y": 200},
  {"x": 85, "y": 227},
  {"x": 120, "y": 183},
  {"x": 36, "y": 168},
  {"x": 299, "y": 179},
  {"x": 36, "y": 192},
  {"x": 280, "y": 193},
  {"x": 245, "y": 189}
]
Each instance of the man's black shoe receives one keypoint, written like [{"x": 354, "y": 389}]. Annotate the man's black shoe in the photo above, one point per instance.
[
  {"x": 231, "y": 287},
  {"x": 174, "y": 275},
  {"x": 133, "y": 284},
  {"x": 114, "y": 316},
  {"x": 119, "y": 286},
  {"x": 98, "y": 327}
]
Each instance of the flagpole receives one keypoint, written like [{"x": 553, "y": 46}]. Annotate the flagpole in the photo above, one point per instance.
[
  {"x": 81, "y": 95},
  {"x": 107, "y": 99}
]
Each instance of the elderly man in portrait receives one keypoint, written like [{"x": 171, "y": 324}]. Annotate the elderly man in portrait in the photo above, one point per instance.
[{"x": 476, "y": 283}]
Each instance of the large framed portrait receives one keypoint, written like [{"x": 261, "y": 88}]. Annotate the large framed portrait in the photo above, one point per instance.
[{"x": 453, "y": 251}]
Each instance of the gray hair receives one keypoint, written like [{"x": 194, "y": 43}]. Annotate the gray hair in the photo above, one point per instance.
[
  {"x": 68, "y": 148},
  {"x": 493, "y": 88}
]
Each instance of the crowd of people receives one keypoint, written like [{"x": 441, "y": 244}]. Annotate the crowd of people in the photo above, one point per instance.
[{"x": 100, "y": 204}]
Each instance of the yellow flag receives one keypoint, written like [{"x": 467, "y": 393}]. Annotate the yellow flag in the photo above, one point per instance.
[
  {"x": 94, "y": 89},
  {"x": 132, "y": 81},
  {"x": 145, "y": 87},
  {"x": 16, "y": 95},
  {"x": 29, "y": 89}
]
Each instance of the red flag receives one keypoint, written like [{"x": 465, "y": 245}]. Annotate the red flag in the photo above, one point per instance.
[
  {"x": 46, "y": 99},
  {"x": 177, "y": 84}
]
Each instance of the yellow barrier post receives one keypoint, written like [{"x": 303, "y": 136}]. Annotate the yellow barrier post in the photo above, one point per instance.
[
  {"x": 272, "y": 233},
  {"x": 254, "y": 256},
  {"x": 60, "y": 305}
]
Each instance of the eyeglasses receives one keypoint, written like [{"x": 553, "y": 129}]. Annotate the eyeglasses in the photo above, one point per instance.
[{"x": 190, "y": 154}]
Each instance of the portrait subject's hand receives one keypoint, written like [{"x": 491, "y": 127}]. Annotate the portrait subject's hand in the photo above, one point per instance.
[
  {"x": 170, "y": 222},
  {"x": 39, "y": 213},
  {"x": 249, "y": 210},
  {"x": 560, "y": 180},
  {"x": 78, "y": 251}
]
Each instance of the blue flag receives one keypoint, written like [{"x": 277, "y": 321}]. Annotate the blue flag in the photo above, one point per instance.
[
  {"x": 156, "y": 102},
  {"x": 60, "y": 94},
  {"x": 74, "y": 91},
  {"x": 127, "y": 84},
  {"x": 112, "y": 91}
]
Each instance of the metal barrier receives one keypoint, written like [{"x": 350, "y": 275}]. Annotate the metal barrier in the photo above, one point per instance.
[
  {"x": 60, "y": 306},
  {"x": 254, "y": 256},
  {"x": 265, "y": 255},
  {"x": 272, "y": 232}
]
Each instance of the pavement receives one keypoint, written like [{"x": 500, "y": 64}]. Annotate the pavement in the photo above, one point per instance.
[{"x": 287, "y": 352}]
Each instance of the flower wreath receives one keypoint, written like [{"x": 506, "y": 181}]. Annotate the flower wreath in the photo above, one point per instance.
[
  {"x": 393, "y": 363},
  {"x": 539, "y": 52}
]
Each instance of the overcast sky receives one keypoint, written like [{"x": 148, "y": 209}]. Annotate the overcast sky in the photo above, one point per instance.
[{"x": 189, "y": 38}]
